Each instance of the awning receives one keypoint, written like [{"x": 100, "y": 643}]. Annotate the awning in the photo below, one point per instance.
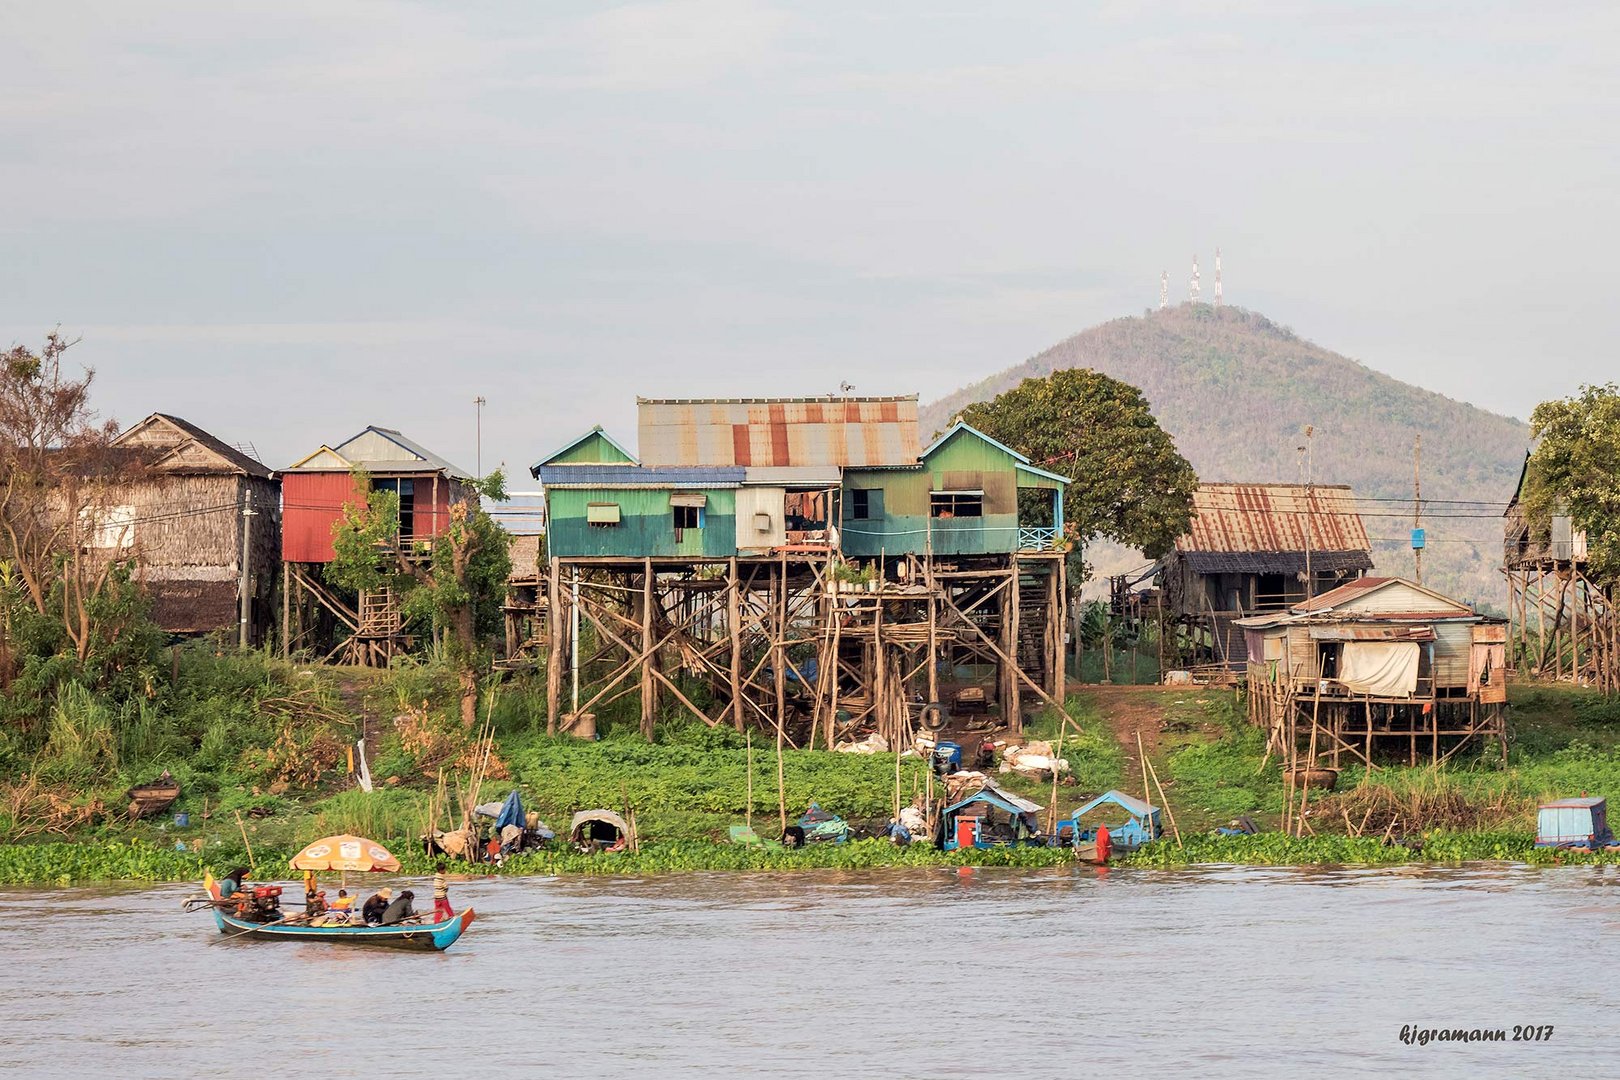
[
  {"x": 1372, "y": 633},
  {"x": 602, "y": 513},
  {"x": 1380, "y": 668},
  {"x": 688, "y": 498}
]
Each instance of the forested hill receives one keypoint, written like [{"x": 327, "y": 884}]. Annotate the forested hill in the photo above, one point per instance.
[{"x": 1236, "y": 391}]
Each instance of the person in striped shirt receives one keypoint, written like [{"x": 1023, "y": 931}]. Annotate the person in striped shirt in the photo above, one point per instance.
[{"x": 441, "y": 895}]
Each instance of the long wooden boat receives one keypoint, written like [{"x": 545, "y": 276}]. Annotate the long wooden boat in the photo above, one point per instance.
[
  {"x": 434, "y": 937},
  {"x": 154, "y": 798}
]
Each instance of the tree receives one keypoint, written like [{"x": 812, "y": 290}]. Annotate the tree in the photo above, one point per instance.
[
  {"x": 1575, "y": 469},
  {"x": 1130, "y": 484},
  {"x": 63, "y": 538},
  {"x": 456, "y": 584}
]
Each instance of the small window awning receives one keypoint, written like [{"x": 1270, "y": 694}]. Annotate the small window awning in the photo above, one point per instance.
[
  {"x": 961, "y": 491},
  {"x": 688, "y": 498},
  {"x": 1372, "y": 633},
  {"x": 602, "y": 513}
]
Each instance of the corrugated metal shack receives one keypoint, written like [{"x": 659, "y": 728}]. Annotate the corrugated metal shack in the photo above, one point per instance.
[
  {"x": 367, "y": 629},
  {"x": 1246, "y": 552},
  {"x": 1377, "y": 663},
  {"x": 183, "y": 521}
]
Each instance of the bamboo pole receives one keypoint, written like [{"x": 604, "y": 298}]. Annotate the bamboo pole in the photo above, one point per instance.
[
  {"x": 1163, "y": 798},
  {"x": 253, "y": 867},
  {"x": 748, "y": 740}
]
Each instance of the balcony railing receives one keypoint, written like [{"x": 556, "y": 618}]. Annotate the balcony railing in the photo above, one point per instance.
[{"x": 1036, "y": 537}]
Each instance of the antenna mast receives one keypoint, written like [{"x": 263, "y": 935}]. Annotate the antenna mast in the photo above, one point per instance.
[
  {"x": 1164, "y": 290},
  {"x": 1217, "y": 277},
  {"x": 1194, "y": 293}
]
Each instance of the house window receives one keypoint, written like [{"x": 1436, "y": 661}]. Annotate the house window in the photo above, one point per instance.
[
  {"x": 602, "y": 515},
  {"x": 956, "y": 504},
  {"x": 688, "y": 517},
  {"x": 865, "y": 504}
]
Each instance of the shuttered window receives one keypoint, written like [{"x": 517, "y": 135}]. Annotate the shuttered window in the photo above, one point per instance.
[{"x": 602, "y": 515}]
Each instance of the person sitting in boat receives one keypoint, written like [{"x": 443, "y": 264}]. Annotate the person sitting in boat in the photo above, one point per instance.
[
  {"x": 231, "y": 883},
  {"x": 400, "y": 909},
  {"x": 372, "y": 910},
  {"x": 342, "y": 907}
]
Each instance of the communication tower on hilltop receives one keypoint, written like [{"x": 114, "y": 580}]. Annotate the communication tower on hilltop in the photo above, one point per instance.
[
  {"x": 1194, "y": 292},
  {"x": 1217, "y": 277},
  {"x": 1164, "y": 290}
]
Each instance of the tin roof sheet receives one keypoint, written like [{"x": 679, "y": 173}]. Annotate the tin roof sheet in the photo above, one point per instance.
[
  {"x": 831, "y": 431},
  {"x": 581, "y": 476},
  {"x": 1274, "y": 518}
]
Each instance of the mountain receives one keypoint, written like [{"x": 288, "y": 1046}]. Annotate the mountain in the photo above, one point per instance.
[{"x": 1236, "y": 391}]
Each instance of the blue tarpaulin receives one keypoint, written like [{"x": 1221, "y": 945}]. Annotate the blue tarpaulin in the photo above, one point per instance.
[{"x": 511, "y": 812}]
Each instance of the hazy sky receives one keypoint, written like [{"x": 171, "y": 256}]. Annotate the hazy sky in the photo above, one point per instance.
[{"x": 285, "y": 221}]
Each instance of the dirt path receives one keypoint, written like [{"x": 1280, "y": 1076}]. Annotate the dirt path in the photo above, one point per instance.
[
  {"x": 351, "y": 689},
  {"x": 1146, "y": 711}
]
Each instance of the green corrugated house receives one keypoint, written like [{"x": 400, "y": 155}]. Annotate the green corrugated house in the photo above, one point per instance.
[{"x": 966, "y": 494}]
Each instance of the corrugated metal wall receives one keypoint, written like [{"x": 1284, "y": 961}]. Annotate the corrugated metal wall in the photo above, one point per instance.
[
  {"x": 752, "y": 502},
  {"x": 312, "y": 503},
  {"x": 837, "y": 431},
  {"x": 646, "y": 524}
]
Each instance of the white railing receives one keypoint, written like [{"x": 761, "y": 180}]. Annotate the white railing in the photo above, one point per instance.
[{"x": 1036, "y": 537}]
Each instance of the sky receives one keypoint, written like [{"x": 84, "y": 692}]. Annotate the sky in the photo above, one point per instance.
[{"x": 286, "y": 221}]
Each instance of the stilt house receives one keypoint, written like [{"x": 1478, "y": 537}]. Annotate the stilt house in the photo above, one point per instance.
[
  {"x": 1563, "y": 625},
  {"x": 314, "y": 492},
  {"x": 848, "y": 574},
  {"x": 196, "y": 509},
  {"x": 1377, "y": 663},
  {"x": 1247, "y": 552}
]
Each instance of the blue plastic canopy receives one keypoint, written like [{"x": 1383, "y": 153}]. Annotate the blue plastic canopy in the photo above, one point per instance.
[{"x": 511, "y": 812}]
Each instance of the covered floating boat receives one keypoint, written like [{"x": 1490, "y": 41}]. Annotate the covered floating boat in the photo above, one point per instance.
[{"x": 434, "y": 937}]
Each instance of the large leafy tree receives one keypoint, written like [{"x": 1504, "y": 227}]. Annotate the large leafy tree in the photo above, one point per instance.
[
  {"x": 1130, "y": 484},
  {"x": 1575, "y": 469},
  {"x": 457, "y": 584}
]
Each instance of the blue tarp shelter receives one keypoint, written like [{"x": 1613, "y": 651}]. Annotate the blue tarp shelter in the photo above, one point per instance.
[
  {"x": 972, "y": 821},
  {"x": 1140, "y": 826}
]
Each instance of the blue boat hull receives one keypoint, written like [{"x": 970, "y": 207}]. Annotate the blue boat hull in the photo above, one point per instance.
[{"x": 430, "y": 937}]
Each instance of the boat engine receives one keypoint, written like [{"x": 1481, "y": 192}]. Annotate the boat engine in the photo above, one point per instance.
[{"x": 263, "y": 904}]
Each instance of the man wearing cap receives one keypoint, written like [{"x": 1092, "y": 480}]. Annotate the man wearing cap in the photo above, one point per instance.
[{"x": 372, "y": 910}]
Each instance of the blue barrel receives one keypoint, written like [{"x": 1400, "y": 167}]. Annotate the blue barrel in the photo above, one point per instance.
[
  {"x": 948, "y": 755},
  {"x": 182, "y": 820}
]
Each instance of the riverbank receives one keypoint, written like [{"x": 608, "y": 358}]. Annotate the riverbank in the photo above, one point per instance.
[
  {"x": 258, "y": 747},
  {"x": 65, "y": 864}
]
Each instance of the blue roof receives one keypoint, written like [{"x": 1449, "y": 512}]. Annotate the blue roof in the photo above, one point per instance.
[
  {"x": 608, "y": 476},
  {"x": 998, "y": 797},
  {"x": 1130, "y": 803},
  {"x": 1582, "y": 803}
]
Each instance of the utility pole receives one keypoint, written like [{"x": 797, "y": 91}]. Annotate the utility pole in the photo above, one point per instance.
[
  {"x": 244, "y": 600},
  {"x": 1307, "y": 462},
  {"x": 1417, "y": 511},
  {"x": 478, "y": 409}
]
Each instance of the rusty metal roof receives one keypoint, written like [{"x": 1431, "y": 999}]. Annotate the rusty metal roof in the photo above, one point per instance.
[
  {"x": 831, "y": 431},
  {"x": 1273, "y": 518}
]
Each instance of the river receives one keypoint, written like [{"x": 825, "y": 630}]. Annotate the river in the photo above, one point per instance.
[{"x": 1071, "y": 972}]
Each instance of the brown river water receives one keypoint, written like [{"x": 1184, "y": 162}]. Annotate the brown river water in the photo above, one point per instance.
[{"x": 1211, "y": 972}]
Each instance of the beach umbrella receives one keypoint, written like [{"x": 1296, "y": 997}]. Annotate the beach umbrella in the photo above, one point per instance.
[{"x": 346, "y": 853}]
